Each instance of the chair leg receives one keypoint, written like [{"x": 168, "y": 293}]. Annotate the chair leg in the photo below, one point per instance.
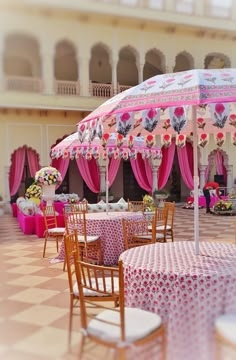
[
  {"x": 44, "y": 247},
  {"x": 70, "y": 320}
]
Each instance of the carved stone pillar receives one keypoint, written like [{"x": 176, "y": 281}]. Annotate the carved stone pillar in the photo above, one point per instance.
[
  {"x": 155, "y": 164},
  {"x": 140, "y": 71},
  {"x": 102, "y": 171},
  {"x": 83, "y": 72},
  {"x": 202, "y": 169},
  {"x": 47, "y": 58},
  {"x": 6, "y": 181},
  {"x": 230, "y": 182},
  {"x": 114, "y": 75}
]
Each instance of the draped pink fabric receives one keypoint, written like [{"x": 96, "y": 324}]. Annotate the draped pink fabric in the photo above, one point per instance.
[
  {"x": 219, "y": 162},
  {"x": 113, "y": 169},
  {"x": 166, "y": 164},
  {"x": 33, "y": 161},
  {"x": 90, "y": 173},
  {"x": 184, "y": 154},
  {"x": 61, "y": 165},
  {"x": 139, "y": 170},
  {"x": 16, "y": 170}
]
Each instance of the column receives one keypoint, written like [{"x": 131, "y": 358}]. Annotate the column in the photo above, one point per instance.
[
  {"x": 83, "y": 72},
  {"x": 140, "y": 66},
  {"x": 170, "y": 62},
  {"x": 114, "y": 74},
  {"x": 170, "y": 5},
  {"x": 102, "y": 170},
  {"x": 1, "y": 62},
  {"x": 202, "y": 169},
  {"x": 6, "y": 195},
  {"x": 155, "y": 164},
  {"x": 47, "y": 63},
  {"x": 230, "y": 183}
]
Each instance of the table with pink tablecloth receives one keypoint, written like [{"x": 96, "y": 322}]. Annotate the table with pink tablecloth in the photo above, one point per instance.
[
  {"x": 109, "y": 227},
  {"x": 186, "y": 290}
]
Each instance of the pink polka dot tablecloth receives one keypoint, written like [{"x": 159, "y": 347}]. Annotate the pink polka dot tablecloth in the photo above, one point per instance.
[
  {"x": 109, "y": 227},
  {"x": 188, "y": 291}
]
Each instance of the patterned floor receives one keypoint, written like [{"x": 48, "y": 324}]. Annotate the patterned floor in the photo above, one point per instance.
[{"x": 34, "y": 298}]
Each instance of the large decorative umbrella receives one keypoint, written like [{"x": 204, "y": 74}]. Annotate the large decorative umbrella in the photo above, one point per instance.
[
  {"x": 190, "y": 103},
  {"x": 114, "y": 144}
]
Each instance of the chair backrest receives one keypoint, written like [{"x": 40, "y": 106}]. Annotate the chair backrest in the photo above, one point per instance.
[
  {"x": 71, "y": 246},
  {"x": 87, "y": 278},
  {"x": 135, "y": 205},
  {"x": 171, "y": 212},
  {"x": 161, "y": 217},
  {"x": 80, "y": 206},
  {"x": 76, "y": 220},
  {"x": 50, "y": 218},
  {"x": 134, "y": 228}
]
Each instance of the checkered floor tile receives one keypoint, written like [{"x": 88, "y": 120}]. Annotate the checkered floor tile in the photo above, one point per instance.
[{"x": 34, "y": 298}]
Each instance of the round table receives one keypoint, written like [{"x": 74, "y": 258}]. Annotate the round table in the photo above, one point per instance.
[
  {"x": 109, "y": 227},
  {"x": 188, "y": 291}
]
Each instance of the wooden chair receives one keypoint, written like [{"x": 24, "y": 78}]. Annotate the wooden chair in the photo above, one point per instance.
[
  {"x": 122, "y": 329},
  {"x": 225, "y": 332},
  {"x": 170, "y": 221},
  {"x": 160, "y": 219},
  {"x": 135, "y": 206},
  {"x": 81, "y": 206},
  {"x": 137, "y": 232},
  {"x": 90, "y": 246},
  {"x": 52, "y": 231},
  {"x": 71, "y": 251}
]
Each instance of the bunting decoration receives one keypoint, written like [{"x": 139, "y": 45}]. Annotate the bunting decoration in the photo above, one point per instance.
[
  {"x": 219, "y": 114},
  {"x": 178, "y": 118},
  {"x": 203, "y": 139},
  {"x": 166, "y": 140},
  {"x": 181, "y": 140},
  {"x": 219, "y": 139},
  {"x": 150, "y": 119}
]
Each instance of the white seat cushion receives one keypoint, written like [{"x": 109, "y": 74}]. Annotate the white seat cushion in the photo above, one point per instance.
[
  {"x": 149, "y": 237},
  {"x": 226, "y": 326},
  {"x": 138, "y": 324},
  {"x": 161, "y": 227},
  {"x": 58, "y": 230},
  {"x": 90, "y": 238},
  {"x": 88, "y": 292}
]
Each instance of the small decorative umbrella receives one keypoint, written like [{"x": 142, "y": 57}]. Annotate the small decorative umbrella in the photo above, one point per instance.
[
  {"x": 161, "y": 104},
  {"x": 113, "y": 145}
]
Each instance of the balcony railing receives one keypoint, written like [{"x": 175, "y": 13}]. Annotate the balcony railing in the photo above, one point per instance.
[
  {"x": 61, "y": 87},
  {"x": 121, "y": 88},
  {"x": 23, "y": 83},
  {"x": 101, "y": 90},
  {"x": 67, "y": 88}
]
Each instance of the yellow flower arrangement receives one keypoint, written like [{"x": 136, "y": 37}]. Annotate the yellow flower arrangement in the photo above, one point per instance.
[{"x": 34, "y": 191}]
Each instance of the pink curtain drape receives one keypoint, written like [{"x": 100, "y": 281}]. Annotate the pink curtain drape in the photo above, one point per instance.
[
  {"x": 90, "y": 173},
  {"x": 219, "y": 163},
  {"x": 33, "y": 161},
  {"x": 185, "y": 164},
  {"x": 113, "y": 169},
  {"x": 142, "y": 172},
  {"x": 16, "y": 170},
  {"x": 166, "y": 164},
  {"x": 61, "y": 165}
]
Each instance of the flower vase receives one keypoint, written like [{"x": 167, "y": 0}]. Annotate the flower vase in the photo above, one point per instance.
[
  {"x": 48, "y": 193},
  {"x": 159, "y": 200}
]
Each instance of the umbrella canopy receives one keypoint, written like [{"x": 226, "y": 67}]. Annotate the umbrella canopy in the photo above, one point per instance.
[
  {"x": 189, "y": 103},
  {"x": 114, "y": 145}
]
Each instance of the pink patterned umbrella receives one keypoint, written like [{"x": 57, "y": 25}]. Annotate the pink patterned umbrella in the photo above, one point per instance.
[
  {"x": 190, "y": 103},
  {"x": 115, "y": 145}
]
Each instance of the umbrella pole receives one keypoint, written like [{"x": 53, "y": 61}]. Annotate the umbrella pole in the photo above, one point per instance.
[
  {"x": 195, "y": 179},
  {"x": 107, "y": 186}
]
